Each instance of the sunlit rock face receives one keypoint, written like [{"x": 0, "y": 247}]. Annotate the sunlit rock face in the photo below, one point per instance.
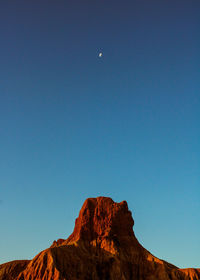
[
  {"x": 102, "y": 247},
  {"x": 103, "y": 223}
]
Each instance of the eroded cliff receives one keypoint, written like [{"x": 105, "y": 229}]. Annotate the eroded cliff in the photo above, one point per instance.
[{"x": 102, "y": 247}]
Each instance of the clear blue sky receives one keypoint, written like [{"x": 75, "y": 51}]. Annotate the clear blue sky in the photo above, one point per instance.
[{"x": 74, "y": 125}]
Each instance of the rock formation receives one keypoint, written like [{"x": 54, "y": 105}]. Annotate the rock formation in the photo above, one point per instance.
[{"x": 102, "y": 247}]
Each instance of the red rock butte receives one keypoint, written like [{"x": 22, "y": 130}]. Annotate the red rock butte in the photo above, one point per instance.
[{"x": 102, "y": 247}]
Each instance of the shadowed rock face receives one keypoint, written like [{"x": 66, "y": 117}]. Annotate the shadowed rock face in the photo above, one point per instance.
[
  {"x": 12, "y": 269},
  {"x": 102, "y": 247}
]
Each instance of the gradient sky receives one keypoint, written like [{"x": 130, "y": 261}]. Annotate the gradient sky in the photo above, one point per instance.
[{"x": 126, "y": 125}]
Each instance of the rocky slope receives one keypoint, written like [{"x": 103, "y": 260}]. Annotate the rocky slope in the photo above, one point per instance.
[{"x": 102, "y": 247}]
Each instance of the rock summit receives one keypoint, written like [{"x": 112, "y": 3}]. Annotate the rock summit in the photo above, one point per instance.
[{"x": 102, "y": 246}]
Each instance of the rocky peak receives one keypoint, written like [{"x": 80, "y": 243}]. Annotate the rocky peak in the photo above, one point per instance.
[
  {"x": 103, "y": 246},
  {"x": 102, "y": 219}
]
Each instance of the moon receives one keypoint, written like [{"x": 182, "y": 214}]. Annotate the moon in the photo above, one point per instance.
[{"x": 100, "y": 54}]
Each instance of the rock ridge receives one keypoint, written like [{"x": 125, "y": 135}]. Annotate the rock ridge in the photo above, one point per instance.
[{"x": 102, "y": 246}]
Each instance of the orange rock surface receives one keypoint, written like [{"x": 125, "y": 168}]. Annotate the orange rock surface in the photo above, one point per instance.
[{"x": 102, "y": 247}]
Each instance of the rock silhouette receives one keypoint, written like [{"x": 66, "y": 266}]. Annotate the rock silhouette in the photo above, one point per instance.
[{"x": 102, "y": 247}]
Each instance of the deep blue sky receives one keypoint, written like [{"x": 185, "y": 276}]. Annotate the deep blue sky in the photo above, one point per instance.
[{"x": 73, "y": 125}]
